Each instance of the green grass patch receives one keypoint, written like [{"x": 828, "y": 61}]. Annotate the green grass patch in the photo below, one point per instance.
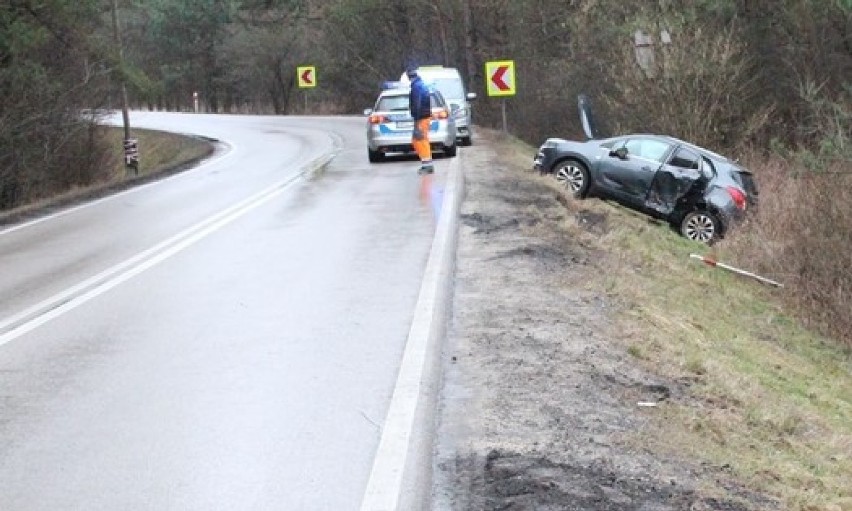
[
  {"x": 764, "y": 395},
  {"x": 772, "y": 400}
]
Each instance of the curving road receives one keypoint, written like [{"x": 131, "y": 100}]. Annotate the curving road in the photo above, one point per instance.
[{"x": 227, "y": 338}]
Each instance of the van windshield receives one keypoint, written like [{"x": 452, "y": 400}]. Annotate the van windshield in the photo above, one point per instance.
[{"x": 451, "y": 88}]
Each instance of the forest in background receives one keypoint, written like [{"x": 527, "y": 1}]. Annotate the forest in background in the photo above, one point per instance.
[{"x": 769, "y": 81}]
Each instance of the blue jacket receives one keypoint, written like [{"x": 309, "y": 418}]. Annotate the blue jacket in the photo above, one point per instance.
[{"x": 420, "y": 104}]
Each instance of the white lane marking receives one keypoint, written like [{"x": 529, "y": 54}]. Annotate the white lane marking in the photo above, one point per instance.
[
  {"x": 210, "y": 161},
  {"x": 75, "y": 296},
  {"x": 403, "y": 454}
]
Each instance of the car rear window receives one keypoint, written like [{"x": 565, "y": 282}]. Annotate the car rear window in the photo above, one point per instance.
[
  {"x": 400, "y": 103},
  {"x": 746, "y": 180}
]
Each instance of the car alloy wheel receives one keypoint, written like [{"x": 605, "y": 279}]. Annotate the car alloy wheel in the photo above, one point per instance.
[
  {"x": 700, "y": 226},
  {"x": 574, "y": 176}
]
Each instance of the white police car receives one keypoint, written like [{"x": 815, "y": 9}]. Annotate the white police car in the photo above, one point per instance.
[
  {"x": 448, "y": 80},
  {"x": 390, "y": 125}
]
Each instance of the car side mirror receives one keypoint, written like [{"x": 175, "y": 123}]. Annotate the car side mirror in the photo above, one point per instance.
[
  {"x": 368, "y": 111},
  {"x": 620, "y": 153},
  {"x": 471, "y": 96}
]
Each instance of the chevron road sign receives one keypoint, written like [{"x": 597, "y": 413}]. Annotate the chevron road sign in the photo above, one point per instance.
[
  {"x": 307, "y": 76},
  {"x": 500, "y": 77}
]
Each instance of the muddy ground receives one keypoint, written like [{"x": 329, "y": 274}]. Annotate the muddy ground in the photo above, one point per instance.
[{"x": 541, "y": 408}]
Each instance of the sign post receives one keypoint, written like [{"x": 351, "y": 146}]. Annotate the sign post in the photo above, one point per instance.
[
  {"x": 307, "y": 79},
  {"x": 500, "y": 75}
]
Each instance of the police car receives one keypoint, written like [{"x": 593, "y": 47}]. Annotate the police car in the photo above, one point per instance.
[
  {"x": 448, "y": 80},
  {"x": 390, "y": 125}
]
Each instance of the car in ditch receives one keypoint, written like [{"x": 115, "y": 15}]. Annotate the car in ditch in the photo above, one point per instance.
[
  {"x": 700, "y": 193},
  {"x": 390, "y": 125}
]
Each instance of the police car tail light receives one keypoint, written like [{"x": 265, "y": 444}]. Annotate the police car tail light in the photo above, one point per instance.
[{"x": 377, "y": 119}]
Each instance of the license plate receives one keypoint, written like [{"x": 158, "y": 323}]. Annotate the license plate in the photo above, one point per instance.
[{"x": 404, "y": 125}]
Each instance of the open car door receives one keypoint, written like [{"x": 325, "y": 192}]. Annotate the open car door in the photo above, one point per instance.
[{"x": 679, "y": 178}]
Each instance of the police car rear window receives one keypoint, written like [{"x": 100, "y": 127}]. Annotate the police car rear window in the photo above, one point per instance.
[{"x": 393, "y": 104}]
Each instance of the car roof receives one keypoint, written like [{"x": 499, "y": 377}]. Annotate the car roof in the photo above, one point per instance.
[
  {"x": 402, "y": 91},
  {"x": 703, "y": 150},
  {"x": 433, "y": 72},
  {"x": 438, "y": 71},
  {"x": 395, "y": 92},
  {"x": 674, "y": 140}
]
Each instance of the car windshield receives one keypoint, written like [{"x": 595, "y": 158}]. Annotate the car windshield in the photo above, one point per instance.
[
  {"x": 393, "y": 104},
  {"x": 450, "y": 88}
]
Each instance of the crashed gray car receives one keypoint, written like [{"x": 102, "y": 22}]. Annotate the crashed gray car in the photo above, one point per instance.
[{"x": 700, "y": 193}]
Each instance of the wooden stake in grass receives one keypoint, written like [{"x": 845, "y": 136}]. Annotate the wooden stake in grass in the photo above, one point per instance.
[{"x": 715, "y": 264}]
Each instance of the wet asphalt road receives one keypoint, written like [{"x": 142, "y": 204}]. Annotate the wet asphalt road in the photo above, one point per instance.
[{"x": 227, "y": 338}]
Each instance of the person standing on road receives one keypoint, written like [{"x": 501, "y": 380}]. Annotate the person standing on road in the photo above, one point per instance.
[{"x": 420, "y": 106}]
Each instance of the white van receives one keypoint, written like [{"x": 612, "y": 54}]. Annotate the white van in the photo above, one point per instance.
[{"x": 449, "y": 82}]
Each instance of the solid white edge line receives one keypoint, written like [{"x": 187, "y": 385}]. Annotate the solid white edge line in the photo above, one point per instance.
[{"x": 400, "y": 479}]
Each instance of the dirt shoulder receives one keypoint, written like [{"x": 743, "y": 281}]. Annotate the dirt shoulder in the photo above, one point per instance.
[{"x": 542, "y": 409}]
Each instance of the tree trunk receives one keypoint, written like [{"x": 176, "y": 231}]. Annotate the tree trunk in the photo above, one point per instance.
[{"x": 469, "y": 36}]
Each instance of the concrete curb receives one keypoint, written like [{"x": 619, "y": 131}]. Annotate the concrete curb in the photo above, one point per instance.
[{"x": 401, "y": 477}]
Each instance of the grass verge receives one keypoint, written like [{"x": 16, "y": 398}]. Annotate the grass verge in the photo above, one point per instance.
[
  {"x": 753, "y": 390},
  {"x": 159, "y": 151}
]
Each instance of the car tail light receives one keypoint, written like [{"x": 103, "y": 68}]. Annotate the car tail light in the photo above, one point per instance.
[
  {"x": 440, "y": 114},
  {"x": 377, "y": 119},
  {"x": 738, "y": 196}
]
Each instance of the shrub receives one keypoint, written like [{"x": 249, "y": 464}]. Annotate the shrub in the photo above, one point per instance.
[{"x": 802, "y": 235}]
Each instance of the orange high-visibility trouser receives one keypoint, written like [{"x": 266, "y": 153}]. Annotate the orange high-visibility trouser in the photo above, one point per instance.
[{"x": 421, "y": 145}]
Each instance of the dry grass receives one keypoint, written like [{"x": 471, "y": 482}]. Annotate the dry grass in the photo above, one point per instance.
[
  {"x": 158, "y": 151},
  {"x": 757, "y": 390},
  {"x": 802, "y": 234}
]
